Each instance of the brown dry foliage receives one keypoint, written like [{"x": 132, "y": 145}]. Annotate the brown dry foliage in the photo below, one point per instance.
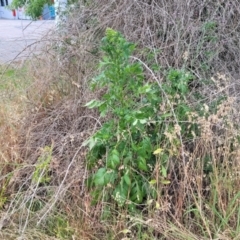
[{"x": 202, "y": 37}]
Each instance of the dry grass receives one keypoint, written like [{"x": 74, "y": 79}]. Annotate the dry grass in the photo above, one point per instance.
[{"x": 202, "y": 200}]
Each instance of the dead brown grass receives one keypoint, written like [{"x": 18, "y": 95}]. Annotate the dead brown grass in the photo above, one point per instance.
[{"x": 201, "y": 37}]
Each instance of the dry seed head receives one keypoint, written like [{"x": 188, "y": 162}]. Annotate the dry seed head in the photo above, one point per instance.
[
  {"x": 185, "y": 55},
  {"x": 177, "y": 96},
  {"x": 223, "y": 109},
  {"x": 213, "y": 119},
  {"x": 221, "y": 81},
  {"x": 206, "y": 108},
  {"x": 177, "y": 129},
  {"x": 121, "y": 167},
  {"x": 170, "y": 136},
  {"x": 192, "y": 116},
  {"x": 223, "y": 77},
  {"x": 163, "y": 107},
  {"x": 206, "y": 131}
]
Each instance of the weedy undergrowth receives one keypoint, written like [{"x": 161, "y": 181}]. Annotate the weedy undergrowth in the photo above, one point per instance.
[
  {"x": 41, "y": 175},
  {"x": 138, "y": 123}
]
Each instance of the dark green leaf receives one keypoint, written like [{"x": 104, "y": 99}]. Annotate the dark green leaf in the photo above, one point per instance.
[
  {"x": 99, "y": 177},
  {"x": 142, "y": 165},
  {"x": 113, "y": 161},
  {"x": 127, "y": 178},
  {"x": 109, "y": 177}
]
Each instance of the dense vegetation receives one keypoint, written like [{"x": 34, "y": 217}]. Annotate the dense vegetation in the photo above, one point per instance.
[
  {"x": 127, "y": 126},
  {"x": 33, "y": 8}
]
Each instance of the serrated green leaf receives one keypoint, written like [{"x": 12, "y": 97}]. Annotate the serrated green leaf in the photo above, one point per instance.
[
  {"x": 166, "y": 115},
  {"x": 90, "y": 104},
  {"x": 103, "y": 109},
  {"x": 93, "y": 103},
  {"x": 166, "y": 182},
  {"x": 99, "y": 177},
  {"x": 125, "y": 231},
  {"x": 127, "y": 178},
  {"x": 142, "y": 165},
  {"x": 135, "y": 122},
  {"x": 144, "y": 89},
  {"x": 150, "y": 201},
  {"x": 164, "y": 171},
  {"x": 113, "y": 160},
  {"x": 158, "y": 151},
  {"x": 91, "y": 142},
  {"x": 115, "y": 152},
  {"x": 153, "y": 181},
  {"x": 143, "y": 121},
  {"x": 139, "y": 194}
]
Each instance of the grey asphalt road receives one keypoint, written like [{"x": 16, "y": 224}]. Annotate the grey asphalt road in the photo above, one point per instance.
[{"x": 20, "y": 39}]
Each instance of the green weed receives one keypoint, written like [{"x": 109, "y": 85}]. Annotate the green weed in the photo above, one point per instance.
[{"x": 126, "y": 149}]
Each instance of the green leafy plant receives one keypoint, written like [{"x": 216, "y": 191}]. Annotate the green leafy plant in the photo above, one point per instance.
[
  {"x": 41, "y": 174},
  {"x": 3, "y": 195},
  {"x": 58, "y": 226},
  {"x": 123, "y": 148},
  {"x": 34, "y": 8}
]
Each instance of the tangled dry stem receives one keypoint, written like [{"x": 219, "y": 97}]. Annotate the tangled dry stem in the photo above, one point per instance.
[{"x": 199, "y": 36}]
